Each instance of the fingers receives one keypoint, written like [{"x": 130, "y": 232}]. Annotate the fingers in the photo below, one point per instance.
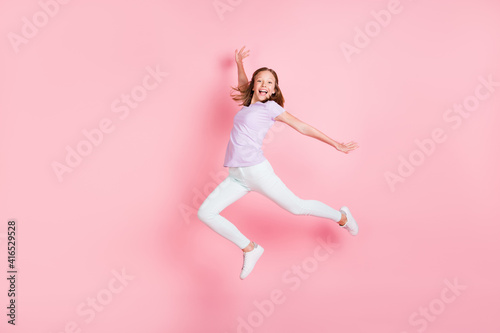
[
  {"x": 347, "y": 147},
  {"x": 352, "y": 145},
  {"x": 242, "y": 53}
]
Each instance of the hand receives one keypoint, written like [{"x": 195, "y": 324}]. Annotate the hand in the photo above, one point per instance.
[
  {"x": 240, "y": 55},
  {"x": 346, "y": 147}
]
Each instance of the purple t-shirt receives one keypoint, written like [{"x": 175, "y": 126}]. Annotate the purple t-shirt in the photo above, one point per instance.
[{"x": 250, "y": 127}]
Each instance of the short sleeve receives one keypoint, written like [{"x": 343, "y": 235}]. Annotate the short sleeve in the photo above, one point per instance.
[{"x": 275, "y": 109}]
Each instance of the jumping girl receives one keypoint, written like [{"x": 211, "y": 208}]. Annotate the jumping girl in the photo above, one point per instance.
[{"x": 249, "y": 170}]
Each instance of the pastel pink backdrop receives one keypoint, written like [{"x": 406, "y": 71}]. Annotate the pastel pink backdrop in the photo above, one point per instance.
[{"x": 130, "y": 205}]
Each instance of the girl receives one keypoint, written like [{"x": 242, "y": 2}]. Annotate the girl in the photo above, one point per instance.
[{"x": 249, "y": 170}]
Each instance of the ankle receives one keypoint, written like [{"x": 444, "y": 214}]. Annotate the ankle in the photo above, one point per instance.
[
  {"x": 250, "y": 247},
  {"x": 343, "y": 220}
]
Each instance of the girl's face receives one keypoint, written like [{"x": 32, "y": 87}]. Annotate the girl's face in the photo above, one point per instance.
[{"x": 263, "y": 87}]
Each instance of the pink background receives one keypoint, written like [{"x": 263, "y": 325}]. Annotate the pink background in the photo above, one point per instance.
[{"x": 130, "y": 205}]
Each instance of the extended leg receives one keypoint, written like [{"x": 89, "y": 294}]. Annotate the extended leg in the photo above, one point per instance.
[{"x": 273, "y": 187}]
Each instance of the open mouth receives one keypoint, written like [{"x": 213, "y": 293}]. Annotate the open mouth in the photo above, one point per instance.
[{"x": 262, "y": 92}]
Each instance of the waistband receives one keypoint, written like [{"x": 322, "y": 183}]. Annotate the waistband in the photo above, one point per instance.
[{"x": 249, "y": 171}]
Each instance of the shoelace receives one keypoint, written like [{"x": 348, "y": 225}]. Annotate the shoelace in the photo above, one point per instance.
[{"x": 244, "y": 260}]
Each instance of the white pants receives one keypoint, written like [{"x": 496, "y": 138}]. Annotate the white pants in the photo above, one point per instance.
[{"x": 262, "y": 179}]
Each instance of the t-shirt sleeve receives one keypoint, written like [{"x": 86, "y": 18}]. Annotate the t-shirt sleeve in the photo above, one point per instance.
[{"x": 275, "y": 109}]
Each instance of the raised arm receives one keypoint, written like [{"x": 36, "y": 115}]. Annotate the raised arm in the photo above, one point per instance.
[
  {"x": 238, "y": 57},
  {"x": 308, "y": 130}
]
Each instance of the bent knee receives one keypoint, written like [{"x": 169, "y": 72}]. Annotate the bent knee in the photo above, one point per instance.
[{"x": 205, "y": 214}]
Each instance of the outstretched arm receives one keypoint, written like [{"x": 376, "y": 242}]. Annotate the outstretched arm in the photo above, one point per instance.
[
  {"x": 308, "y": 130},
  {"x": 238, "y": 57}
]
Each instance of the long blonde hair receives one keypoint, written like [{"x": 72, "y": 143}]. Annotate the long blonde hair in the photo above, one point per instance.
[{"x": 244, "y": 93}]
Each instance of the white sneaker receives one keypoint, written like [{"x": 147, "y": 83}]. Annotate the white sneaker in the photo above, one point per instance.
[
  {"x": 250, "y": 259},
  {"x": 351, "y": 224}
]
